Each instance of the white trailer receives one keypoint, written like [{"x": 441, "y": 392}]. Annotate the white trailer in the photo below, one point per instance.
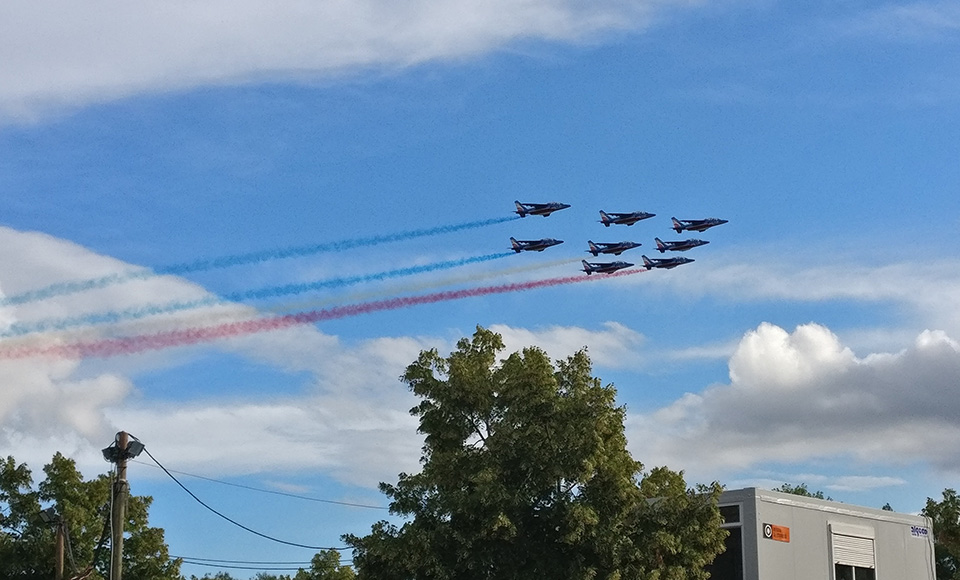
[{"x": 781, "y": 536}]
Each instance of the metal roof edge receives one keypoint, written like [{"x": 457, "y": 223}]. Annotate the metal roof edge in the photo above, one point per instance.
[{"x": 827, "y": 506}]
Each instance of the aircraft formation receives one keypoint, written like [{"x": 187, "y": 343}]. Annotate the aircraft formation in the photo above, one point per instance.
[{"x": 617, "y": 248}]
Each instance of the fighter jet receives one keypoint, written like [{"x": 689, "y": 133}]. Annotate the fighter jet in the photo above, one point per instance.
[
  {"x": 696, "y": 225},
  {"x": 544, "y": 209},
  {"x": 681, "y": 246},
  {"x": 623, "y": 218},
  {"x": 533, "y": 245},
  {"x": 603, "y": 267},
  {"x": 613, "y": 248},
  {"x": 665, "y": 263}
]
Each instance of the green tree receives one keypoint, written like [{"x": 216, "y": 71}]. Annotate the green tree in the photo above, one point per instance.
[
  {"x": 526, "y": 475},
  {"x": 325, "y": 565},
  {"x": 801, "y": 489},
  {"x": 27, "y": 543},
  {"x": 946, "y": 533}
]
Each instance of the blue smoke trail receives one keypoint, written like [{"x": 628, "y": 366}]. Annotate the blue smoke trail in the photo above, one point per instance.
[
  {"x": 63, "y": 288},
  {"x": 115, "y": 316}
]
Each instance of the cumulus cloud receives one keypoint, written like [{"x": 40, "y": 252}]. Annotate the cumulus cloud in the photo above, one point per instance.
[
  {"x": 62, "y": 53},
  {"x": 802, "y": 395},
  {"x": 46, "y": 399}
]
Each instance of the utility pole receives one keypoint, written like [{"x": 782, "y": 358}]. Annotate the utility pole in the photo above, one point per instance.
[
  {"x": 50, "y": 516},
  {"x": 119, "y": 508},
  {"x": 121, "y": 450},
  {"x": 58, "y": 567}
]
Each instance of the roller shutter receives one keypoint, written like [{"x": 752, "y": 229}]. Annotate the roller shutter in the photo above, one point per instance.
[{"x": 853, "y": 545}]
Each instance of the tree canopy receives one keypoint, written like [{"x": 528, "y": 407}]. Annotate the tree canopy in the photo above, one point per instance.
[
  {"x": 946, "y": 533},
  {"x": 526, "y": 474},
  {"x": 27, "y": 542},
  {"x": 802, "y": 489}
]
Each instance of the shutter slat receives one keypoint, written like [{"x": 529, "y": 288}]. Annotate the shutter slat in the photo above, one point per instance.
[{"x": 853, "y": 551}]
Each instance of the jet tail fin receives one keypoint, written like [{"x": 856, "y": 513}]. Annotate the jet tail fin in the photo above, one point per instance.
[
  {"x": 647, "y": 263},
  {"x": 586, "y": 267},
  {"x": 522, "y": 211},
  {"x": 677, "y": 225},
  {"x": 515, "y": 245},
  {"x": 593, "y": 248},
  {"x": 660, "y": 245},
  {"x": 605, "y": 219}
]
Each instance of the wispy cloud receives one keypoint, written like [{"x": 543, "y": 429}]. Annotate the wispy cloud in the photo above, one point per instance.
[
  {"x": 63, "y": 54},
  {"x": 917, "y": 21},
  {"x": 821, "y": 482},
  {"x": 614, "y": 346},
  {"x": 929, "y": 289}
]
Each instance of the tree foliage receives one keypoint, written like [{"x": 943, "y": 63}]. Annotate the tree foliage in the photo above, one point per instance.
[
  {"x": 946, "y": 533},
  {"x": 325, "y": 565},
  {"x": 526, "y": 475},
  {"x": 27, "y": 544},
  {"x": 802, "y": 489}
]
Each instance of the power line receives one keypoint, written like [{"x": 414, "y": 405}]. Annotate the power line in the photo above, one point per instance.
[
  {"x": 271, "y": 491},
  {"x": 236, "y": 567},
  {"x": 217, "y": 560},
  {"x": 232, "y": 521},
  {"x": 253, "y": 564}
]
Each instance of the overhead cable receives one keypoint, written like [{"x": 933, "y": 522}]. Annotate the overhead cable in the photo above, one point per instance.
[
  {"x": 232, "y": 521},
  {"x": 273, "y": 491}
]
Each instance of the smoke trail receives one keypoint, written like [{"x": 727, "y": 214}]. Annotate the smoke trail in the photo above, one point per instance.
[
  {"x": 163, "y": 340},
  {"x": 408, "y": 288},
  {"x": 115, "y": 316},
  {"x": 62, "y": 288},
  {"x": 209, "y": 316}
]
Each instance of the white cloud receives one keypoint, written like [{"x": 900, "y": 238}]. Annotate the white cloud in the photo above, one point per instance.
[
  {"x": 47, "y": 400},
  {"x": 62, "y": 53},
  {"x": 616, "y": 346},
  {"x": 803, "y": 395}
]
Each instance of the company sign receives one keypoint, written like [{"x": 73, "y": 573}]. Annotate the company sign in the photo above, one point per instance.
[
  {"x": 919, "y": 532},
  {"x": 776, "y": 533}
]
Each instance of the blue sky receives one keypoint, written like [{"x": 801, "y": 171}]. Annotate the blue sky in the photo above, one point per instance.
[{"x": 815, "y": 339}]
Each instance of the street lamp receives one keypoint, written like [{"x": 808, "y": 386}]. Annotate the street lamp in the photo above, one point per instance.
[
  {"x": 124, "y": 447},
  {"x": 114, "y": 453}
]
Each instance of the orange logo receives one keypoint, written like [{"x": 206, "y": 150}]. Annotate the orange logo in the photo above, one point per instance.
[{"x": 778, "y": 533}]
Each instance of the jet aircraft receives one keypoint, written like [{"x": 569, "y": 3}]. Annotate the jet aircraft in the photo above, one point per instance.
[
  {"x": 623, "y": 218},
  {"x": 616, "y": 248},
  {"x": 544, "y": 209},
  {"x": 533, "y": 245},
  {"x": 603, "y": 267},
  {"x": 665, "y": 263},
  {"x": 681, "y": 246},
  {"x": 696, "y": 225}
]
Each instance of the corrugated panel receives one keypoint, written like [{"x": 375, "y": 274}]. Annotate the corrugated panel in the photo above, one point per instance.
[{"x": 853, "y": 551}]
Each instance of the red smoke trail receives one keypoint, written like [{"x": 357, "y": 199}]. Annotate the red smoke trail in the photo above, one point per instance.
[{"x": 168, "y": 339}]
